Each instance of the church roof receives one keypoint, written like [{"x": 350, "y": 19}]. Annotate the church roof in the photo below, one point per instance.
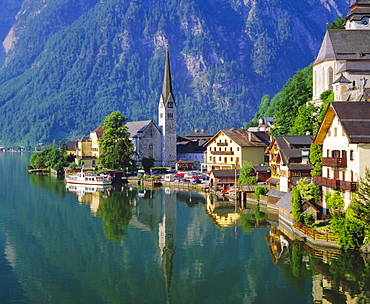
[
  {"x": 355, "y": 66},
  {"x": 167, "y": 83},
  {"x": 136, "y": 127},
  {"x": 354, "y": 118},
  {"x": 345, "y": 45}
]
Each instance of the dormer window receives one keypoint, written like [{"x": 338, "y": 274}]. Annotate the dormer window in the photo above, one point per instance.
[{"x": 365, "y": 21}]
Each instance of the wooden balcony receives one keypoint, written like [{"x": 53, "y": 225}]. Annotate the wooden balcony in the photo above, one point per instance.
[
  {"x": 223, "y": 144},
  {"x": 334, "y": 162},
  {"x": 348, "y": 186},
  {"x": 326, "y": 182},
  {"x": 335, "y": 183},
  {"x": 222, "y": 152}
]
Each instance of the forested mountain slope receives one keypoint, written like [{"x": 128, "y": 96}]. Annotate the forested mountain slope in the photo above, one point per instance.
[{"x": 71, "y": 62}]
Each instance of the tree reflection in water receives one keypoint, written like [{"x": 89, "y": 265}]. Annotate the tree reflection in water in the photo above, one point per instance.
[{"x": 116, "y": 210}]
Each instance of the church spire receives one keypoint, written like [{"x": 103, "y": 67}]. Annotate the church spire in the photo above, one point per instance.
[{"x": 167, "y": 84}]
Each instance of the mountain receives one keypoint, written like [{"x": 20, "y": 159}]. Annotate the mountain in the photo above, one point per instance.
[{"x": 69, "y": 63}]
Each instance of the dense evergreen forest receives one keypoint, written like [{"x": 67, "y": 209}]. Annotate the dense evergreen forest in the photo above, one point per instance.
[{"x": 69, "y": 63}]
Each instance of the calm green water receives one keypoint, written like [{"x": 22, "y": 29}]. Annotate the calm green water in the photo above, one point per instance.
[{"x": 127, "y": 246}]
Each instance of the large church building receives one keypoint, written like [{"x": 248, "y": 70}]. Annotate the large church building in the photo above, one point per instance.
[
  {"x": 149, "y": 139},
  {"x": 343, "y": 62}
]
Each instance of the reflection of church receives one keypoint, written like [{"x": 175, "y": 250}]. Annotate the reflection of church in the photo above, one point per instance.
[{"x": 160, "y": 212}]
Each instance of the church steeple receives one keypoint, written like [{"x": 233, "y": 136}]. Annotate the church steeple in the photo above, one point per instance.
[
  {"x": 167, "y": 83},
  {"x": 359, "y": 17},
  {"x": 167, "y": 118}
]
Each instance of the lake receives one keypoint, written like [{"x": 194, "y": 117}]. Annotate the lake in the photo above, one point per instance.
[{"x": 130, "y": 245}]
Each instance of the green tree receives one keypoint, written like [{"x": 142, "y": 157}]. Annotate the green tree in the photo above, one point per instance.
[
  {"x": 147, "y": 162},
  {"x": 246, "y": 174},
  {"x": 308, "y": 191},
  {"x": 296, "y": 205},
  {"x": 316, "y": 159},
  {"x": 260, "y": 190},
  {"x": 305, "y": 120},
  {"x": 296, "y": 92},
  {"x": 359, "y": 209},
  {"x": 116, "y": 147},
  {"x": 337, "y": 24}
]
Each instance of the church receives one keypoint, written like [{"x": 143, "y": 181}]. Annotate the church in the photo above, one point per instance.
[
  {"x": 343, "y": 62},
  {"x": 148, "y": 139}
]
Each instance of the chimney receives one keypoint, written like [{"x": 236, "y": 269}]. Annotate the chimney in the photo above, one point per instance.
[{"x": 249, "y": 136}]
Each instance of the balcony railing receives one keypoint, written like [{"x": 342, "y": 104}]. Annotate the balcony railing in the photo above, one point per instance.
[
  {"x": 334, "y": 162},
  {"x": 335, "y": 183},
  {"x": 326, "y": 182},
  {"x": 222, "y": 152},
  {"x": 349, "y": 186},
  {"x": 222, "y": 144}
]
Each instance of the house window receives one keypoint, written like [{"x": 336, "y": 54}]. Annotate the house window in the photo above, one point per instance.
[
  {"x": 219, "y": 158},
  {"x": 231, "y": 148},
  {"x": 343, "y": 176},
  {"x": 335, "y": 132},
  {"x": 220, "y": 149},
  {"x": 231, "y": 141},
  {"x": 231, "y": 159},
  {"x": 351, "y": 155},
  {"x": 170, "y": 115},
  {"x": 237, "y": 160},
  {"x": 210, "y": 158},
  {"x": 225, "y": 160},
  {"x": 237, "y": 149},
  {"x": 335, "y": 154},
  {"x": 329, "y": 132},
  {"x": 328, "y": 153},
  {"x": 344, "y": 154},
  {"x": 351, "y": 176},
  {"x": 328, "y": 173}
]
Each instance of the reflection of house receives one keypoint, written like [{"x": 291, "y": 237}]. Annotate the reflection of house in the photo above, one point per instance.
[
  {"x": 289, "y": 160},
  {"x": 345, "y": 136},
  {"x": 343, "y": 63},
  {"x": 222, "y": 212},
  {"x": 233, "y": 146}
]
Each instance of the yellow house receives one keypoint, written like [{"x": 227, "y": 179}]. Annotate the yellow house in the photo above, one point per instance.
[
  {"x": 231, "y": 147},
  {"x": 95, "y": 136},
  {"x": 84, "y": 153}
]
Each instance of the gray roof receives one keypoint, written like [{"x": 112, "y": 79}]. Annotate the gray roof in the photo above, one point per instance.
[
  {"x": 286, "y": 202},
  {"x": 136, "y": 127},
  {"x": 355, "y": 119},
  {"x": 225, "y": 173},
  {"x": 345, "y": 45},
  {"x": 355, "y": 66},
  {"x": 291, "y": 146},
  {"x": 300, "y": 167},
  {"x": 342, "y": 79},
  {"x": 167, "y": 83},
  {"x": 262, "y": 168},
  {"x": 359, "y": 9},
  {"x": 276, "y": 193}
]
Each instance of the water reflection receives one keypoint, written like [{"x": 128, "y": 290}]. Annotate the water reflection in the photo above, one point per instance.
[{"x": 145, "y": 246}]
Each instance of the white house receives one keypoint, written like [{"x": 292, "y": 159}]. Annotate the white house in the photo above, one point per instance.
[{"x": 345, "y": 136}]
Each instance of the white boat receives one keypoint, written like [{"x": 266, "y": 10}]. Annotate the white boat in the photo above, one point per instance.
[{"x": 89, "y": 179}]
